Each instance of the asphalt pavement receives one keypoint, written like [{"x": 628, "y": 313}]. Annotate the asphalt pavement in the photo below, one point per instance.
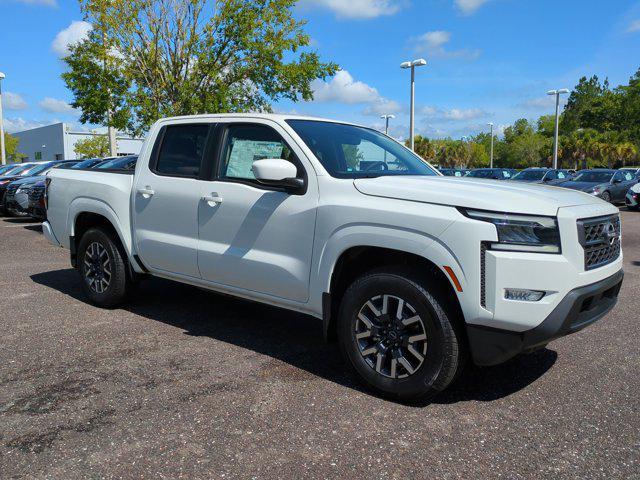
[{"x": 183, "y": 383}]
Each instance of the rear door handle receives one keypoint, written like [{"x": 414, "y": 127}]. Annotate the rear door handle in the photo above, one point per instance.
[
  {"x": 212, "y": 200},
  {"x": 146, "y": 192}
]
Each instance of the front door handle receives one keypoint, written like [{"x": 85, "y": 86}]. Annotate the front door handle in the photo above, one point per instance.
[
  {"x": 146, "y": 192},
  {"x": 212, "y": 200}
]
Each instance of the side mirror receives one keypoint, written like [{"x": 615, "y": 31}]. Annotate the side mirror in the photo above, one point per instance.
[
  {"x": 277, "y": 172},
  {"x": 616, "y": 180}
]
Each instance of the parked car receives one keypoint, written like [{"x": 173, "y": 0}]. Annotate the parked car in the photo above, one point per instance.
[
  {"x": 492, "y": 173},
  {"x": 542, "y": 175},
  {"x": 409, "y": 269},
  {"x": 453, "y": 172},
  {"x": 609, "y": 185},
  {"x": 632, "y": 198},
  {"x": 22, "y": 171},
  {"x": 15, "y": 200},
  {"x": 118, "y": 163},
  {"x": 36, "y": 207}
]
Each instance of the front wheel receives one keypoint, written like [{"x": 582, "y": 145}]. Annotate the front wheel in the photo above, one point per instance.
[
  {"x": 606, "y": 196},
  {"x": 397, "y": 336},
  {"x": 103, "y": 268}
]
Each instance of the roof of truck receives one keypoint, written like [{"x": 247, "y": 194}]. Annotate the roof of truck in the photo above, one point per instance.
[{"x": 269, "y": 116}]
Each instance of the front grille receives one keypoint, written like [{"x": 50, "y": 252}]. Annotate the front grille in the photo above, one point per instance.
[
  {"x": 36, "y": 194},
  {"x": 600, "y": 238}
]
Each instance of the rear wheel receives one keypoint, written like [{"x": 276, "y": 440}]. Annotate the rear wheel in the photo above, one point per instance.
[
  {"x": 103, "y": 268},
  {"x": 395, "y": 333}
]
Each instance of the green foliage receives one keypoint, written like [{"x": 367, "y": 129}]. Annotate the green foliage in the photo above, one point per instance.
[
  {"x": 147, "y": 59},
  {"x": 96, "y": 146},
  {"x": 11, "y": 148}
]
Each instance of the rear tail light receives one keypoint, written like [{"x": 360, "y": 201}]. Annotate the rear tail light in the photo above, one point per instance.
[{"x": 47, "y": 182}]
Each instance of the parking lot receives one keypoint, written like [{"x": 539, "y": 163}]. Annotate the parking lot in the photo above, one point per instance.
[{"x": 186, "y": 383}]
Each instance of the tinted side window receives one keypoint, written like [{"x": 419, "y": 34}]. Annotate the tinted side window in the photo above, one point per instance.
[
  {"x": 181, "y": 151},
  {"x": 247, "y": 143}
]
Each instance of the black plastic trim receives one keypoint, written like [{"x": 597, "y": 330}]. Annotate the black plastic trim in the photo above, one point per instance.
[
  {"x": 578, "y": 309},
  {"x": 73, "y": 251}
]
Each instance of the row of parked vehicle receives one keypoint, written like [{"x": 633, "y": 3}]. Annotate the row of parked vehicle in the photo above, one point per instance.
[
  {"x": 614, "y": 186},
  {"x": 22, "y": 185}
]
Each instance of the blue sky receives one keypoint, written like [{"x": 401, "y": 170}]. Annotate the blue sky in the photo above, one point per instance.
[{"x": 488, "y": 60}]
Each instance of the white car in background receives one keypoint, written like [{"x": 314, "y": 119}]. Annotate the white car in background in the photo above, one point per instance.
[{"x": 632, "y": 199}]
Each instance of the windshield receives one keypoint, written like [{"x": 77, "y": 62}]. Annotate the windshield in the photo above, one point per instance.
[
  {"x": 90, "y": 162},
  {"x": 479, "y": 173},
  {"x": 348, "y": 151},
  {"x": 530, "y": 175},
  {"x": 593, "y": 177},
  {"x": 6, "y": 169},
  {"x": 39, "y": 169},
  {"x": 123, "y": 163}
]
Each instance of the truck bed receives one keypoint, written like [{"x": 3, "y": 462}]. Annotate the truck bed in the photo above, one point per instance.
[{"x": 106, "y": 193}]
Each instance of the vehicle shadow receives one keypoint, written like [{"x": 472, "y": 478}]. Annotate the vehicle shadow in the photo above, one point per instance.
[{"x": 290, "y": 337}]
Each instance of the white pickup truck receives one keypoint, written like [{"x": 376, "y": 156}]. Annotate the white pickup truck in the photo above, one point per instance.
[{"x": 410, "y": 271}]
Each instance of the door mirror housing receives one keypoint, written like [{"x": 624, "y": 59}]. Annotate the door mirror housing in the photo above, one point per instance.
[
  {"x": 277, "y": 172},
  {"x": 616, "y": 180}
]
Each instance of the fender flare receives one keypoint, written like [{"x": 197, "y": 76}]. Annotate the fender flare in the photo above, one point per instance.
[
  {"x": 82, "y": 205},
  {"x": 404, "y": 240}
]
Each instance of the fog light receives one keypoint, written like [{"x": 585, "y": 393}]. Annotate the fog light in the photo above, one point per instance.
[{"x": 523, "y": 295}]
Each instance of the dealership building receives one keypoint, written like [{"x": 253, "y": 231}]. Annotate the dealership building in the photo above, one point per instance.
[{"x": 57, "y": 142}]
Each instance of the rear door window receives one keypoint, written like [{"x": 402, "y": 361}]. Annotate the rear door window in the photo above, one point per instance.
[{"x": 181, "y": 151}]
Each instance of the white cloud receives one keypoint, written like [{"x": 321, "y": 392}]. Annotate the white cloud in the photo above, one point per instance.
[
  {"x": 453, "y": 115},
  {"x": 634, "y": 27},
  {"x": 542, "y": 103},
  {"x": 383, "y": 106},
  {"x": 434, "y": 44},
  {"x": 46, "y": 3},
  {"x": 13, "y": 101},
  {"x": 74, "y": 33},
  {"x": 54, "y": 105},
  {"x": 358, "y": 9},
  {"x": 18, "y": 124},
  {"x": 468, "y": 7},
  {"x": 344, "y": 89}
]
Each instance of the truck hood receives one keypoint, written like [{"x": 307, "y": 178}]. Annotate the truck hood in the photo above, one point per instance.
[{"x": 481, "y": 194}]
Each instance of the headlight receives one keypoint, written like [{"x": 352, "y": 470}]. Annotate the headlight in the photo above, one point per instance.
[
  {"x": 525, "y": 233},
  {"x": 595, "y": 190}
]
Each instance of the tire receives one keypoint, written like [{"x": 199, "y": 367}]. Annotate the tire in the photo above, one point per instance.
[
  {"x": 442, "y": 350},
  {"x": 606, "y": 196},
  {"x": 103, "y": 268}
]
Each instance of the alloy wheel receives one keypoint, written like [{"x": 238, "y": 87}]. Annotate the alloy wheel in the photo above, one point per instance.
[
  {"x": 97, "y": 268},
  {"x": 391, "y": 336}
]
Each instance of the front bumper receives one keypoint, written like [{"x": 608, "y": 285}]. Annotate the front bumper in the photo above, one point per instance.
[{"x": 578, "y": 309}]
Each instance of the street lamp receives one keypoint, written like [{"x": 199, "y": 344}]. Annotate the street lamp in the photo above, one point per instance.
[
  {"x": 412, "y": 65},
  {"x": 386, "y": 119},
  {"x": 2, "y": 155},
  {"x": 491, "y": 157},
  {"x": 557, "y": 93}
]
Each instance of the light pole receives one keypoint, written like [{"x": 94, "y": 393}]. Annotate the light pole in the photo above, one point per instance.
[
  {"x": 557, "y": 93},
  {"x": 412, "y": 65},
  {"x": 2, "y": 154},
  {"x": 386, "y": 121},
  {"x": 491, "y": 157}
]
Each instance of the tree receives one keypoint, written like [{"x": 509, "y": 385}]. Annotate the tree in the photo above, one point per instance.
[
  {"x": 11, "y": 148},
  {"x": 96, "y": 146},
  {"x": 167, "y": 57}
]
